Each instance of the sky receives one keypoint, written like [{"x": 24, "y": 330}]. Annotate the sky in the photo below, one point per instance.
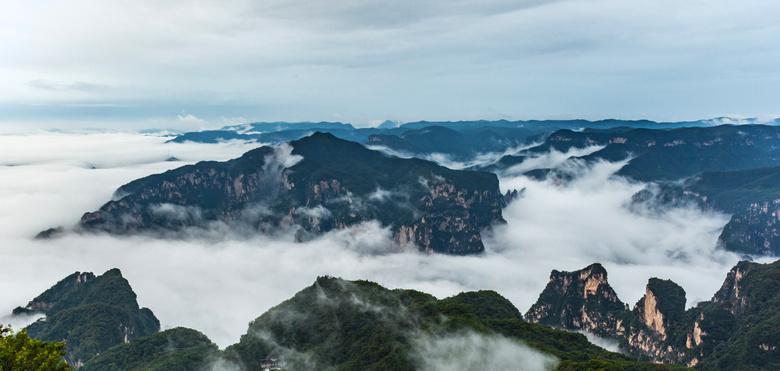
[
  {"x": 217, "y": 285},
  {"x": 199, "y": 64}
]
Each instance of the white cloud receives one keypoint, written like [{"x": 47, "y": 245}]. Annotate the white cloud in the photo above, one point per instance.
[
  {"x": 362, "y": 61},
  {"x": 218, "y": 284},
  {"x": 190, "y": 119},
  {"x": 472, "y": 351}
]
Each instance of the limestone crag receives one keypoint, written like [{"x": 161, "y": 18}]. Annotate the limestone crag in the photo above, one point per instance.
[
  {"x": 580, "y": 300},
  {"x": 735, "y": 328},
  {"x": 729, "y": 293}
]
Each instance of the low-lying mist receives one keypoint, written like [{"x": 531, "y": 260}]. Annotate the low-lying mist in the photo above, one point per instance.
[{"x": 218, "y": 285}]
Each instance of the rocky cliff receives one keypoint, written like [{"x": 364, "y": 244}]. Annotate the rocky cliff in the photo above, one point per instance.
[
  {"x": 315, "y": 184},
  {"x": 736, "y": 329},
  {"x": 580, "y": 300}
]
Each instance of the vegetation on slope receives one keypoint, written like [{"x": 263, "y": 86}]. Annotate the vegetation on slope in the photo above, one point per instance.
[{"x": 91, "y": 314}]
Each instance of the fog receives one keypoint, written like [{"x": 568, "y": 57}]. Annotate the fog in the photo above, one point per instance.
[
  {"x": 472, "y": 351},
  {"x": 218, "y": 285}
]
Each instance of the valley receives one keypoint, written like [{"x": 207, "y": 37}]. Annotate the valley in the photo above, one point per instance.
[{"x": 231, "y": 239}]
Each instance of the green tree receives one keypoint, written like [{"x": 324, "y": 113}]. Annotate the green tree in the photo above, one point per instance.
[{"x": 21, "y": 352}]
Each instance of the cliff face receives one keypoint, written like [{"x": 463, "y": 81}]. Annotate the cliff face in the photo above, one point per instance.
[
  {"x": 655, "y": 318},
  {"x": 736, "y": 329},
  {"x": 754, "y": 229},
  {"x": 580, "y": 300},
  {"x": 317, "y": 184}
]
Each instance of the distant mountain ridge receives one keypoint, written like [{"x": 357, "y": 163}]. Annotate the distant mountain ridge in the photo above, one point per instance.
[
  {"x": 673, "y": 154},
  {"x": 479, "y": 133}
]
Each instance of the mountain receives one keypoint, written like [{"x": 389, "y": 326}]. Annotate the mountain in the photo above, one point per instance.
[
  {"x": 673, "y": 154},
  {"x": 359, "y": 325},
  {"x": 752, "y": 197},
  {"x": 736, "y": 329},
  {"x": 459, "y": 145},
  {"x": 179, "y": 349},
  {"x": 260, "y": 131},
  {"x": 580, "y": 300},
  {"x": 91, "y": 313},
  {"x": 316, "y": 184},
  {"x": 460, "y": 140},
  {"x": 333, "y": 324}
]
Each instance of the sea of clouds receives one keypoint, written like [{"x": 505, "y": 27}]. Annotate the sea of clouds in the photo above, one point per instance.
[{"x": 218, "y": 285}]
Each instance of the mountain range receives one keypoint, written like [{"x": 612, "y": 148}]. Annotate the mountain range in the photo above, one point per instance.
[
  {"x": 320, "y": 183},
  {"x": 360, "y": 325},
  {"x": 316, "y": 178}
]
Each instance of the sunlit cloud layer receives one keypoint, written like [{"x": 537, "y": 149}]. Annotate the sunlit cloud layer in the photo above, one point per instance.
[
  {"x": 217, "y": 285},
  {"x": 142, "y": 63}
]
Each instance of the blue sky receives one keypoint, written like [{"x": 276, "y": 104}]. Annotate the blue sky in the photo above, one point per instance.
[{"x": 202, "y": 63}]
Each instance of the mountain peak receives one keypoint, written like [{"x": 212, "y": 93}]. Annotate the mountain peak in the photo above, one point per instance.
[
  {"x": 319, "y": 183},
  {"x": 579, "y": 300}
]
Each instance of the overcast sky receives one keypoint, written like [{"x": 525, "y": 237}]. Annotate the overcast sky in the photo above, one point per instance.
[{"x": 203, "y": 63}]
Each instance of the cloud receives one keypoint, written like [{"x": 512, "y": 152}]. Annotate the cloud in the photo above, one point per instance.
[
  {"x": 549, "y": 160},
  {"x": 190, "y": 119},
  {"x": 472, "y": 351},
  {"x": 191, "y": 282},
  {"x": 608, "y": 344},
  {"x": 403, "y": 60}
]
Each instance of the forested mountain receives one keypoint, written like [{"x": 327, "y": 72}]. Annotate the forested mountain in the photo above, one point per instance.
[
  {"x": 351, "y": 325},
  {"x": 360, "y": 325},
  {"x": 91, "y": 313}
]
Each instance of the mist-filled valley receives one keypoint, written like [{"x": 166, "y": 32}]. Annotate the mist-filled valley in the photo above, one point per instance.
[
  {"x": 218, "y": 281},
  {"x": 242, "y": 185}
]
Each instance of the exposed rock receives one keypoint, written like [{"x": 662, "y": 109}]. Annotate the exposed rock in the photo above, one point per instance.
[
  {"x": 316, "y": 184},
  {"x": 580, "y": 300},
  {"x": 729, "y": 292},
  {"x": 736, "y": 328}
]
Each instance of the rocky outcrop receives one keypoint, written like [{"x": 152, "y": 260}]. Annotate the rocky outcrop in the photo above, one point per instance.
[
  {"x": 735, "y": 330},
  {"x": 580, "y": 300},
  {"x": 312, "y": 185},
  {"x": 729, "y": 294},
  {"x": 655, "y": 317}
]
